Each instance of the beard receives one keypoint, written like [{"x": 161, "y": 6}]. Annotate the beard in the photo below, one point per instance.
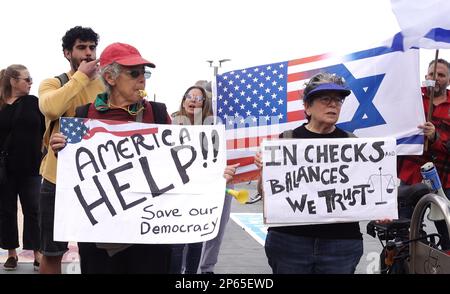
[
  {"x": 441, "y": 90},
  {"x": 75, "y": 63}
]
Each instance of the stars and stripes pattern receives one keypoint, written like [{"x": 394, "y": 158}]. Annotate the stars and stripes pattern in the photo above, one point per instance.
[
  {"x": 259, "y": 103},
  {"x": 74, "y": 129},
  {"x": 77, "y": 129}
]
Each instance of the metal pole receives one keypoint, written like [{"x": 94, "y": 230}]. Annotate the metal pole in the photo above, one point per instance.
[{"x": 214, "y": 84}]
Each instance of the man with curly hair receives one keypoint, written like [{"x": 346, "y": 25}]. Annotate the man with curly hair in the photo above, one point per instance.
[{"x": 58, "y": 97}]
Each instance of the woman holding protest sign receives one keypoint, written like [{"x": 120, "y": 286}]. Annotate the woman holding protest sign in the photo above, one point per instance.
[
  {"x": 323, "y": 248},
  {"x": 124, "y": 73}
]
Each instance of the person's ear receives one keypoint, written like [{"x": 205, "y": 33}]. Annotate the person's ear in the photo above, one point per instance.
[
  {"x": 107, "y": 76},
  {"x": 67, "y": 54},
  {"x": 13, "y": 82}
]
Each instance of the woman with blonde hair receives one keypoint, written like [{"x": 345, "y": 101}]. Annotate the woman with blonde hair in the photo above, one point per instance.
[
  {"x": 21, "y": 129},
  {"x": 195, "y": 108}
]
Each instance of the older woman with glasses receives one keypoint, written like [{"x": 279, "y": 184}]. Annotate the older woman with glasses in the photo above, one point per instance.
[
  {"x": 124, "y": 72},
  {"x": 21, "y": 129},
  {"x": 323, "y": 248}
]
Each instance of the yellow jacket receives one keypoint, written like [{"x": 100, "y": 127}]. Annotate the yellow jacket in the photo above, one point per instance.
[{"x": 56, "y": 101}]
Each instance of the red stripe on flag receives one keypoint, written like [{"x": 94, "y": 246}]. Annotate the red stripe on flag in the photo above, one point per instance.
[
  {"x": 294, "y": 95},
  {"x": 298, "y": 76},
  {"x": 248, "y": 142},
  {"x": 246, "y": 177},
  {"x": 242, "y": 160},
  {"x": 308, "y": 59},
  {"x": 296, "y": 115},
  {"x": 126, "y": 133}
]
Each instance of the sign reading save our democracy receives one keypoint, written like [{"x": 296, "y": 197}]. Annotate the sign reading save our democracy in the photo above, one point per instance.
[
  {"x": 128, "y": 182},
  {"x": 329, "y": 180}
]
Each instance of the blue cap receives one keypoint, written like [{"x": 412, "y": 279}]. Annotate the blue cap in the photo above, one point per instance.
[{"x": 328, "y": 87}]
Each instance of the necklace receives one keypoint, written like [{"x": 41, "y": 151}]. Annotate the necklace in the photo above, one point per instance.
[{"x": 127, "y": 109}]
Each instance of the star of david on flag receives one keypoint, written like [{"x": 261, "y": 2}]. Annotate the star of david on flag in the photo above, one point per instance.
[{"x": 261, "y": 102}]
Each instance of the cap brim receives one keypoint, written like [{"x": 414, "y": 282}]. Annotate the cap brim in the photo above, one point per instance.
[
  {"x": 132, "y": 61},
  {"x": 329, "y": 87}
]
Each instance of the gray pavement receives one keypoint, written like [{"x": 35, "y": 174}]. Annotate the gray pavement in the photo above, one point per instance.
[{"x": 240, "y": 253}]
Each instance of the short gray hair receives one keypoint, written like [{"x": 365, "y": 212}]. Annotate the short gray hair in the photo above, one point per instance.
[{"x": 114, "y": 69}]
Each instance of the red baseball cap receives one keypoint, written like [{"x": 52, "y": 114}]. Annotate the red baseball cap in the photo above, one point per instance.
[{"x": 122, "y": 54}]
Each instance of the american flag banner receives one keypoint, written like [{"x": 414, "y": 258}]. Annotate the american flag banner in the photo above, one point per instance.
[
  {"x": 261, "y": 102},
  {"x": 77, "y": 129},
  {"x": 138, "y": 183}
]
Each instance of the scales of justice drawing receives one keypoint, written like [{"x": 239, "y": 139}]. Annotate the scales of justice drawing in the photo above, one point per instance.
[{"x": 382, "y": 183}]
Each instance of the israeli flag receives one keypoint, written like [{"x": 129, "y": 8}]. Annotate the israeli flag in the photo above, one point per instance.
[{"x": 423, "y": 24}]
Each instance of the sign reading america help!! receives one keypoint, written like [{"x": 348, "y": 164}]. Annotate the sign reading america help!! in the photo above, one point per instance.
[{"x": 139, "y": 183}]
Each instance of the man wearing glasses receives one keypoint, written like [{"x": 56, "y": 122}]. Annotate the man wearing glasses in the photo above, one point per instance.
[{"x": 58, "y": 99}]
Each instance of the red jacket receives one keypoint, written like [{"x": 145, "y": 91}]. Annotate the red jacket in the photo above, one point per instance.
[{"x": 438, "y": 151}]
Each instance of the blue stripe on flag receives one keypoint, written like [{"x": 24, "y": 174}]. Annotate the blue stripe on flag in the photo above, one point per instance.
[
  {"x": 415, "y": 139},
  {"x": 397, "y": 45},
  {"x": 439, "y": 35}
]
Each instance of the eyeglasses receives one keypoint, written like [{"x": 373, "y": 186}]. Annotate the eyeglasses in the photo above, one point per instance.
[
  {"x": 196, "y": 98},
  {"x": 135, "y": 73},
  {"x": 28, "y": 79},
  {"x": 326, "y": 100}
]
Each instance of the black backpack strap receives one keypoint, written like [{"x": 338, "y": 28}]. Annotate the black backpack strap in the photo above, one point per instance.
[
  {"x": 63, "y": 78},
  {"x": 159, "y": 112},
  {"x": 82, "y": 111}
]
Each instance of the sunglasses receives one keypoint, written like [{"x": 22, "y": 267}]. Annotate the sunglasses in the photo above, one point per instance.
[
  {"x": 196, "y": 98},
  {"x": 135, "y": 73},
  {"x": 28, "y": 79}
]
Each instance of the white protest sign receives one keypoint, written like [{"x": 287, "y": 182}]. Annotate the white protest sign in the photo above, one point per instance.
[
  {"x": 329, "y": 180},
  {"x": 127, "y": 182}
]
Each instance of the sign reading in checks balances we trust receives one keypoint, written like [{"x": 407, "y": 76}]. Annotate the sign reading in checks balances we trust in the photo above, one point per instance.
[
  {"x": 124, "y": 182},
  {"x": 329, "y": 180}
]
